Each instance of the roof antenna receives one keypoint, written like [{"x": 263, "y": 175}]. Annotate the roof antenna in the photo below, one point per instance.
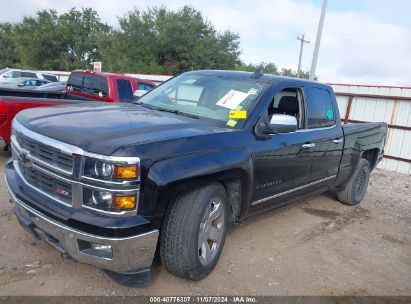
[{"x": 257, "y": 74}]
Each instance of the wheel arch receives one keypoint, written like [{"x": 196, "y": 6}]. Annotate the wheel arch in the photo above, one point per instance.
[
  {"x": 234, "y": 182},
  {"x": 371, "y": 156},
  {"x": 169, "y": 178}
]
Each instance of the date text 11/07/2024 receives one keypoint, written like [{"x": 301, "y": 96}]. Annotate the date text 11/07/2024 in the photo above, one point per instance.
[{"x": 203, "y": 299}]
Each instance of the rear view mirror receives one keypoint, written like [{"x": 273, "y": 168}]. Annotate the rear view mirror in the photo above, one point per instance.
[
  {"x": 280, "y": 123},
  {"x": 138, "y": 93}
]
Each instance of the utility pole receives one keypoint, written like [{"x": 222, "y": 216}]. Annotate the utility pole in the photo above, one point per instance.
[
  {"x": 318, "y": 40},
  {"x": 302, "y": 41}
]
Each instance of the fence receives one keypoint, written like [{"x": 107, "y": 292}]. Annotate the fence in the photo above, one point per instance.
[
  {"x": 361, "y": 103},
  {"x": 364, "y": 103}
]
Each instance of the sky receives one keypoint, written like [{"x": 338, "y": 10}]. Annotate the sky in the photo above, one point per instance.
[{"x": 363, "y": 41}]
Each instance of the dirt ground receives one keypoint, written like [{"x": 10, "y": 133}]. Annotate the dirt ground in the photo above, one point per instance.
[{"x": 314, "y": 247}]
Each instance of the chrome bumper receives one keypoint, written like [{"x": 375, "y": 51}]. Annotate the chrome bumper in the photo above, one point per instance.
[{"x": 128, "y": 254}]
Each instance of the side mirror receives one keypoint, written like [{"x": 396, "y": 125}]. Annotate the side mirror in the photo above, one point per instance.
[
  {"x": 279, "y": 123},
  {"x": 138, "y": 93},
  {"x": 21, "y": 85}
]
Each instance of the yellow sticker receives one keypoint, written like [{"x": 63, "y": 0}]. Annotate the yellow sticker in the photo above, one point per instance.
[
  {"x": 231, "y": 123},
  {"x": 237, "y": 114}
]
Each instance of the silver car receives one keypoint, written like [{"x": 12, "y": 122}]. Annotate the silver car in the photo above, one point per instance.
[{"x": 23, "y": 83}]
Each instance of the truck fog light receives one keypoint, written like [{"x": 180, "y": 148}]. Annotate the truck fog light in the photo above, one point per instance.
[
  {"x": 105, "y": 248},
  {"x": 104, "y": 251},
  {"x": 95, "y": 249}
]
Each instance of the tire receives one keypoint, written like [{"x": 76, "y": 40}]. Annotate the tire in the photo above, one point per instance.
[
  {"x": 188, "y": 228},
  {"x": 353, "y": 193}
]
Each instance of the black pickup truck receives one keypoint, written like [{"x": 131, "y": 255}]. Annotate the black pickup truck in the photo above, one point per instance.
[{"x": 112, "y": 184}]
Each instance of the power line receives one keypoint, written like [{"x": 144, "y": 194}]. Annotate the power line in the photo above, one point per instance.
[{"x": 302, "y": 41}]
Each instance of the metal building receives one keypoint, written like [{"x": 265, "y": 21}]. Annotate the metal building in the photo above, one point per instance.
[{"x": 365, "y": 103}]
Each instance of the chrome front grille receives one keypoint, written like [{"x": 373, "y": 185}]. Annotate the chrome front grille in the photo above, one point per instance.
[
  {"x": 47, "y": 184},
  {"x": 44, "y": 153},
  {"x": 55, "y": 169}
]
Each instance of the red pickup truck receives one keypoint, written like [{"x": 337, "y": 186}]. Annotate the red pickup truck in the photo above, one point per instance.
[
  {"x": 81, "y": 86},
  {"x": 109, "y": 87}
]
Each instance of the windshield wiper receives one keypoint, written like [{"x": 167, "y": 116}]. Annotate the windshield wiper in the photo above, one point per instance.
[
  {"x": 151, "y": 107},
  {"x": 178, "y": 112},
  {"x": 139, "y": 103}
]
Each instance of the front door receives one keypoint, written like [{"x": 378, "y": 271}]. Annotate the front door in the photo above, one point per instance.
[{"x": 282, "y": 163}]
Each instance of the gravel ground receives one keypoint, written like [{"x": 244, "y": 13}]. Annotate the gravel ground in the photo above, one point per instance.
[{"x": 314, "y": 247}]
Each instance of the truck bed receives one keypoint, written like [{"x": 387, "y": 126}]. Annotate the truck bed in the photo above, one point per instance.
[{"x": 11, "y": 105}]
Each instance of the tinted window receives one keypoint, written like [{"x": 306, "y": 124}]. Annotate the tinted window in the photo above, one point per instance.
[
  {"x": 75, "y": 82},
  {"x": 144, "y": 86},
  {"x": 28, "y": 74},
  {"x": 87, "y": 84},
  {"x": 15, "y": 74},
  {"x": 125, "y": 92},
  {"x": 100, "y": 86},
  {"x": 49, "y": 77},
  {"x": 320, "y": 108}
]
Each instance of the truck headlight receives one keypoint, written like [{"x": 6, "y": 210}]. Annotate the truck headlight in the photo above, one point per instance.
[
  {"x": 110, "y": 170},
  {"x": 102, "y": 169},
  {"x": 109, "y": 201},
  {"x": 110, "y": 183}
]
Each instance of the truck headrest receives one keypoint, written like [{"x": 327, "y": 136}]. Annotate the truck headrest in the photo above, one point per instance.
[{"x": 288, "y": 105}]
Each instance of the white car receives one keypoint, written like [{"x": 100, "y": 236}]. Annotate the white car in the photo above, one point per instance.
[{"x": 17, "y": 73}]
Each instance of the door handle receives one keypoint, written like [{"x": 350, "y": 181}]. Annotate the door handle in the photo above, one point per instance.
[
  {"x": 307, "y": 146},
  {"x": 338, "y": 140}
]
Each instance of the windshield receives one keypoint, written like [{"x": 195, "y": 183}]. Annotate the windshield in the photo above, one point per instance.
[{"x": 221, "y": 99}]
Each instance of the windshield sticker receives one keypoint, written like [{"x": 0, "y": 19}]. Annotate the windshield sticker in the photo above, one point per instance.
[
  {"x": 231, "y": 123},
  {"x": 232, "y": 99},
  {"x": 237, "y": 114},
  {"x": 252, "y": 92},
  {"x": 330, "y": 114}
]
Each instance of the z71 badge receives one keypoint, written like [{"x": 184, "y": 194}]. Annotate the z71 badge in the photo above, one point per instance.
[{"x": 62, "y": 192}]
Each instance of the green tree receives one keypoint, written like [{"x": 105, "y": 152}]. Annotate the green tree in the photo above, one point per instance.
[
  {"x": 80, "y": 30},
  {"x": 8, "y": 55},
  {"x": 58, "y": 42},
  {"x": 271, "y": 68},
  {"x": 159, "y": 40}
]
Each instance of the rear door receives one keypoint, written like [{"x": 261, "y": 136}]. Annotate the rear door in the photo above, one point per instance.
[
  {"x": 89, "y": 86},
  {"x": 125, "y": 90},
  {"x": 95, "y": 87},
  {"x": 324, "y": 134}
]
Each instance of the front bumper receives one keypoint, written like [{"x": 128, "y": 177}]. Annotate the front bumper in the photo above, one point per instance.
[{"x": 128, "y": 254}]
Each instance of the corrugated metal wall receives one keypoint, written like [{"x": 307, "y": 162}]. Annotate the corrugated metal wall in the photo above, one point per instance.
[{"x": 379, "y": 103}]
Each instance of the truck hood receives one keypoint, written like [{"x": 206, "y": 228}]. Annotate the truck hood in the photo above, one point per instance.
[{"x": 103, "y": 128}]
